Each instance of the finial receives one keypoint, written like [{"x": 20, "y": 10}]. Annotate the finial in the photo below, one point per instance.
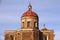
[
  {"x": 44, "y": 28},
  {"x": 44, "y": 25},
  {"x": 29, "y": 6}
]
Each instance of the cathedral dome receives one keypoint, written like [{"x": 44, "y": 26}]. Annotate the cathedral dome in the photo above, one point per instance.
[{"x": 29, "y": 12}]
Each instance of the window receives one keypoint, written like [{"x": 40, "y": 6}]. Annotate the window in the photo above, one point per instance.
[
  {"x": 44, "y": 37},
  {"x": 12, "y": 38},
  {"x": 35, "y": 24},
  {"x": 22, "y": 24},
  {"x": 28, "y": 24}
]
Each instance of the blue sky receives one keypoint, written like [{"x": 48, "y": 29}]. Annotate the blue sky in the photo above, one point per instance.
[{"x": 47, "y": 10}]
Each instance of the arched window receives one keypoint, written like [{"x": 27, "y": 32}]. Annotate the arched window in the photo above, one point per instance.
[
  {"x": 12, "y": 37},
  {"x": 35, "y": 24},
  {"x": 28, "y": 24}
]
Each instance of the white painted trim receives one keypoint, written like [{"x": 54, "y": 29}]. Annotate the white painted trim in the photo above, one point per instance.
[
  {"x": 27, "y": 29},
  {"x": 24, "y": 29}
]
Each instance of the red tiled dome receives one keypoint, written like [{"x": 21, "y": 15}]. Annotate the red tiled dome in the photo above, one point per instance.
[{"x": 29, "y": 13}]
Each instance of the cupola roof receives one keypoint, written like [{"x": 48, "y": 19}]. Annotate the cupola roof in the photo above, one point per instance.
[{"x": 29, "y": 12}]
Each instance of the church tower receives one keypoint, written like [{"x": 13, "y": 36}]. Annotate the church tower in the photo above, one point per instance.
[
  {"x": 29, "y": 19},
  {"x": 29, "y": 28}
]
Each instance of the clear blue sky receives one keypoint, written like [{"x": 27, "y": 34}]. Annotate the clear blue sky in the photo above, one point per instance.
[{"x": 47, "y": 10}]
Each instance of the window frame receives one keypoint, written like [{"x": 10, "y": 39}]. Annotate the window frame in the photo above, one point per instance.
[
  {"x": 22, "y": 24},
  {"x": 28, "y": 24},
  {"x": 35, "y": 24}
]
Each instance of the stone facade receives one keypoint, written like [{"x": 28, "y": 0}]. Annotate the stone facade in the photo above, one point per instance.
[
  {"x": 29, "y": 29},
  {"x": 29, "y": 34}
]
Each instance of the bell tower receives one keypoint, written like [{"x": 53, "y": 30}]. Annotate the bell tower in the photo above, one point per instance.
[{"x": 29, "y": 19}]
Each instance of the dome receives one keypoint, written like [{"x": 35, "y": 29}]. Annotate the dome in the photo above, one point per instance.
[{"x": 29, "y": 12}]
